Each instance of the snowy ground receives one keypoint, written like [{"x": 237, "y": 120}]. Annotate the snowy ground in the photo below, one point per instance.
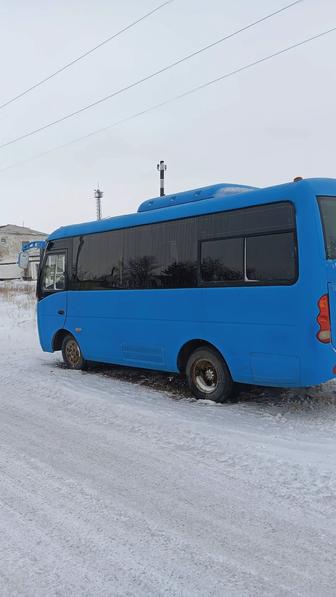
[{"x": 110, "y": 488}]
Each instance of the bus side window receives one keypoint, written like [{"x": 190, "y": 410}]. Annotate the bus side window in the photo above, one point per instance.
[
  {"x": 54, "y": 272},
  {"x": 222, "y": 260},
  {"x": 271, "y": 257}
]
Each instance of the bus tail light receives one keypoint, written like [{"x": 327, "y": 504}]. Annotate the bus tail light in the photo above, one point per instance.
[{"x": 323, "y": 319}]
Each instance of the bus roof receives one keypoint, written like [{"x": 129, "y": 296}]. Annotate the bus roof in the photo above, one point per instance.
[{"x": 206, "y": 200}]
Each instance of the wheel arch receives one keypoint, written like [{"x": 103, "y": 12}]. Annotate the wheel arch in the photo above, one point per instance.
[
  {"x": 58, "y": 339},
  {"x": 189, "y": 347}
]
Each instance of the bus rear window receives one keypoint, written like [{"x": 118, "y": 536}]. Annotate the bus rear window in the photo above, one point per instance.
[{"x": 328, "y": 216}]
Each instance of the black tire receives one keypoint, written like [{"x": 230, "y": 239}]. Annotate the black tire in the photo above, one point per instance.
[
  {"x": 208, "y": 375},
  {"x": 72, "y": 354}
]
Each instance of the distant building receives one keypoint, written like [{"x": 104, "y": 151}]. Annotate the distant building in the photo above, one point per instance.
[{"x": 12, "y": 238}]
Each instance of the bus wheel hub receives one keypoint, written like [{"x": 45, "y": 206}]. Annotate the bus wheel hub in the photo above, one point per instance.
[
  {"x": 73, "y": 353},
  {"x": 206, "y": 376}
]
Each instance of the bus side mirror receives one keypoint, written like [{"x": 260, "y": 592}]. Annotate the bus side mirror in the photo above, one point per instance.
[{"x": 23, "y": 260}]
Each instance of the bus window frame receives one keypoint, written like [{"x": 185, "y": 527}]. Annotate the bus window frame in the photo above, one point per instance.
[
  {"x": 44, "y": 292},
  {"x": 246, "y": 281},
  {"x": 70, "y": 273},
  {"x": 319, "y": 197}
]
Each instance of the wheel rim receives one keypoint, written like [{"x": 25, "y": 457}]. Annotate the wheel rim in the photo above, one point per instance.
[
  {"x": 72, "y": 353},
  {"x": 205, "y": 376}
]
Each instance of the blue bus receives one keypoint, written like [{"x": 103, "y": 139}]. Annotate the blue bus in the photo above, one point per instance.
[{"x": 226, "y": 284}]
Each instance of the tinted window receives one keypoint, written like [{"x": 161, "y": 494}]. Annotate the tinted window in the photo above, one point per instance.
[
  {"x": 248, "y": 221},
  {"x": 165, "y": 254},
  {"x": 141, "y": 260},
  {"x": 98, "y": 260},
  {"x": 222, "y": 260},
  {"x": 162, "y": 255},
  {"x": 271, "y": 257},
  {"x": 328, "y": 214}
]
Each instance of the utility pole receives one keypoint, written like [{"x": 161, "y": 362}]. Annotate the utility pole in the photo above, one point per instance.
[
  {"x": 162, "y": 167},
  {"x": 98, "y": 196}
]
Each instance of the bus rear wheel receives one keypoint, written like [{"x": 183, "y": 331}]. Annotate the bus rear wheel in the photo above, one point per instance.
[
  {"x": 72, "y": 355},
  {"x": 208, "y": 375}
]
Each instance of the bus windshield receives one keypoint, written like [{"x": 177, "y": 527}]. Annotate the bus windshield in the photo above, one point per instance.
[{"x": 328, "y": 215}]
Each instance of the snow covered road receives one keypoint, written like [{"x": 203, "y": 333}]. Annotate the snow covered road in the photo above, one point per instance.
[{"x": 111, "y": 489}]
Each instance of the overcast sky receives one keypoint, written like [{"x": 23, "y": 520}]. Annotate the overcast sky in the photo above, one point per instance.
[{"x": 261, "y": 127}]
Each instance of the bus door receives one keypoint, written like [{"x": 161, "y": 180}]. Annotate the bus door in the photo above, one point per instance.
[
  {"x": 52, "y": 306},
  {"x": 328, "y": 214}
]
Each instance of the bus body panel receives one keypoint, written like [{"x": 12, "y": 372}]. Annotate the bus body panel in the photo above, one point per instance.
[
  {"x": 51, "y": 317},
  {"x": 147, "y": 330},
  {"x": 266, "y": 333},
  {"x": 272, "y": 352},
  {"x": 133, "y": 326},
  {"x": 331, "y": 278}
]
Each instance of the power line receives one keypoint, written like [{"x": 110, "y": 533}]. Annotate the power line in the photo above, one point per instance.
[
  {"x": 147, "y": 78},
  {"x": 75, "y": 60},
  {"x": 175, "y": 98}
]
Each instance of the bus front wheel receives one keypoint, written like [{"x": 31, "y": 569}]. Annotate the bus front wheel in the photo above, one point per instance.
[
  {"x": 208, "y": 375},
  {"x": 71, "y": 352}
]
